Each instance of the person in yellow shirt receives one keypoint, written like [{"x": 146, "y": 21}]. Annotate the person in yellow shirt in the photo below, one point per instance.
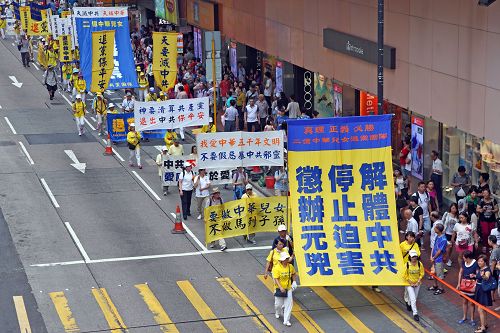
[
  {"x": 413, "y": 274},
  {"x": 76, "y": 53},
  {"x": 249, "y": 193},
  {"x": 210, "y": 128},
  {"x": 55, "y": 47},
  {"x": 80, "y": 87},
  {"x": 407, "y": 245},
  {"x": 151, "y": 96},
  {"x": 176, "y": 149},
  {"x": 273, "y": 257},
  {"x": 42, "y": 54},
  {"x": 79, "y": 114},
  {"x": 133, "y": 140},
  {"x": 161, "y": 97},
  {"x": 3, "y": 23},
  {"x": 66, "y": 70},
  {"x": 99, "y": 107},
  {"x": 51, "y": 56},
  {"x": 170, "y": 137},
  {"x": 240, "y": 105},
  {"x": 285, "y": 283},
  {"x": 112, "y": 108},
  {"x": 73, "y": 79},
  {"x": 143, "y": 86}
]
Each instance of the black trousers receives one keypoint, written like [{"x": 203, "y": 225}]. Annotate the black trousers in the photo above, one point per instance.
[
  {"x": 241, "y": 118},
  {"x": 25, "y": 56},
  {"x": 186, "y": 203}
]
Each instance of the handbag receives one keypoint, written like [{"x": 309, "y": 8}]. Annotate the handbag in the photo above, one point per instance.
[
  {"x": 278, "y": 292},
  {"x": 490, "y": 284},
  {"x": 468, "y": 286}
]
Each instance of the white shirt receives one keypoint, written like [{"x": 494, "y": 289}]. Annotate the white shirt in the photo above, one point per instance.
[
  {"x": 252, "y": 113},
  {"x": 128, "y": 105},
  {"x": 202, "y": 183},
  {"x": 293, "y": 109},
  {"x": 463, "y": 232},
  {"x": 186, "y": 179},
  {"x": 408, "y": 159},
  {"x": 412, "y": 226},
  {"x": 268, "y": 87},
  {"x": 496, "y": 232},
  {"x": 423, "y": 201},
  {"x": 437, "y": 165}
]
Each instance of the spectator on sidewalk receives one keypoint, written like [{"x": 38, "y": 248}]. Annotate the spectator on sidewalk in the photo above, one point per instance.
[
  {"x": 433, "y": 202},
  {"x": 263, "y": 111},
  {"x": 252, "y": 117},
  {"x": 435, "y": 219},
  {"x": 467, "y": 285},
  {"x": 482, "y": 296},
  {"x": 487, "y": 209},
  {"x": 268, "y": 87},
  {"x": 463, "y": 236},
  {"x": 450, "y": 218},
  {"x": 413, "y": 275},
  {"x": 405, "y": 158},
  {"x": 437, "y": 257},
  {"x": 414, "y": 219},
  {"x": 461, "y": 183},
  {"x": 281, "y": 182},
  {"x": 494, "y": 260},
  {"x": 240, "y": 104},
  {"x": 483, "y": 184},
  {"x": 230, "y": 117},
  {"x": 437, "y": 175},
  {"x": 496, "y": 232},
  {"x": 293, "y": 108},
  {"x": 422, "y": 198}
]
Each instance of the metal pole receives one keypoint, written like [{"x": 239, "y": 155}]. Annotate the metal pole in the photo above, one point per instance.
[
  {"x": 214, "y": 80},
  {"x": 380, "y": 60}
]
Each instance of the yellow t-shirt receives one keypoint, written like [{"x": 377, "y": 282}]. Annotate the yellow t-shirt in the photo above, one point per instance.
[
  {"x": 79, "y": 109},
  {"x": 176, "y": 151},
  {"x": 134, "y": 139},
  {"x": 51, "y": 58},
  {"x": 169, "y": 138},
  {"x": 413, "y": 273},
  {"x": 100, "y": 106},
  {"x": 405, "y": 247},
  {"x": 274, "y": 256},
  {"x": 151, "y": 98},
  {"x": 3, "y": 23},
  {"x": 245, "y": 195},
  {"x": 81, "y": 85},
  {"x": 143, "y": 83},
  {"x": 284, "y": 275},
  {"x": 206, "y": 129}
]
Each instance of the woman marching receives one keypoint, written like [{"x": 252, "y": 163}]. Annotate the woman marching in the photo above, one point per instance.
[{"x": 285, "y": 282}]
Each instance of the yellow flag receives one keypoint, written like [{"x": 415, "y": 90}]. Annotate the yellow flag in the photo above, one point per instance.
[
  {"x": 45, "y": 22},
  {"x": 102, "y": 59},
  {"x": 25, "y": 13},
  {"x": 39, "y": 28},
  {"x": 65, "y": 54},
  {"x": 165, "y": 59}
]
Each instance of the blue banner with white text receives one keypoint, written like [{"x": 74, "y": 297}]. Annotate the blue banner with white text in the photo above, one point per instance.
[{"x": 118, "y": 123}]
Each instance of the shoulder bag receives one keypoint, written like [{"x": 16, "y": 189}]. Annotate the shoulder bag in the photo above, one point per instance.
[
  {"x": 490, "y": 284},
  {"x": 278, "y": 292},
  {"x": 468, "y": 286}
]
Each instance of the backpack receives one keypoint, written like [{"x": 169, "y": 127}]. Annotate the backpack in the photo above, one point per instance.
[{"x": 210, "y": 201}]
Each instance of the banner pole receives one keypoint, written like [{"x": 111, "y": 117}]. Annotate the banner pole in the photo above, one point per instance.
[{"x": 214, "y": 80}]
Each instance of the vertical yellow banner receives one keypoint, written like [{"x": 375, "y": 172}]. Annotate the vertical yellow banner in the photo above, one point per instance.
[
  {"x": 165, "y": 59},
  {"x": 39, "y": 28},
  {"x": 25, "y": 13},
  {"x": 65, "y": 13},
  {"x": 44, "y": 24},
  {"x": 102, "y": 59},
  {"x": 65, "y": 54}
]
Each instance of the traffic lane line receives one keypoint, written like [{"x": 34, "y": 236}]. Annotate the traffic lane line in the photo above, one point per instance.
[
  {"x": 341, "y": 310},
  {"x": 154, "y": 305},
  {"x": 303, "y": 318},
  {"x": 10, "y": 125},
  {"x": 88, "y": 123},
  {"x": 246, "y": 305},
  {"x": 115, "y": 321},
  {"x": 64, "y": 312},
  {"x": 22, "y": 315},
  {"x": 49, "y": 192},
  {"x": 114, "y": 151},
  {"x": 26, "y": 153},
  {"x": 146, "y": 185},
  {"x": 201, "y": 307},
  {"x": 79, "y": 245},
  {"x": 190, "y": 233},
  {"x": 151, "y": 257}
]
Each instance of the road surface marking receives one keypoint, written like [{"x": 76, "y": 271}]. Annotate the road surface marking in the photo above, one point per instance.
[
  {"x": 154, "y": 256},
  {"x": 341, "y": 310},
  {"x": 309, "y": 324},
  {"x": 386, "y": 310},
  {"x": 67, "y": 100},
  {"x": 401, "y": 312},
  {"x": 114, "y": 151},
  {"x": 22, "y": 315},
  {"x": 190, "y": 233},
  {"x": 88, "y": 123},
  {"x": 64, "y": 312},
  {"x": 154, "y": 305},
  {"x": 36, "y": 67},
  {"x": 26, "y": 153},
  {"x": 79, "y": 245},
  {"x": 159, "y": 148},
  {"x": 49, "y": 192},
  {"x": 248, "y": 307},
  {"x": 146, "y": 185},
  {"x": 13, "y": 44},
  {"x": 93, "y": 119},
  {"x": 109, "y": 310},
  {"x": 10, "y": 125},
  {"x": 203, "y": 309}
]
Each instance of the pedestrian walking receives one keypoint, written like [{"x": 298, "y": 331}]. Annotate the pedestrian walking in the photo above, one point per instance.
[
  {"x": 463, "y": 236},
  {"x": 437, "y": 175},
  {"x": 23, "y": 47},
  {"x": 487, "y": 210},
  {"x": 50, "y": 80},
  {"x": 128, "y": 103},
  {"x": 262, "y": 110},
  {"x": 285, "y": 283},
  {"x": 99, "y": 107},
  {"x": 494, "y": 260},
  {"x": 284, "y": 236},
  {"x": 273, "y": 257},
  {"x": 422, "y": 198},
  {"x": 80, "y": 87},
  {"x": 143, "y": 86},
  {"x": 202, "y": 186},
  {"x": 159, "y": 163},
  {"x": 450, "y": 218},
  {"x": 240, "y": 180},
  {"x": 483, "y": 290},
  {"x": 230, "y": 117},
  {"x": 249, "y": 193},
  {"x": 467, "y": 285},
  {"x": 213, "y": 200},
  {"x": 186, "y": 185},
  {"x": 252, "y": 117},
  {"x": 133, "y": 139},
  {"x": 413, "y": 275},
  {"x": 79, "y": 114}
]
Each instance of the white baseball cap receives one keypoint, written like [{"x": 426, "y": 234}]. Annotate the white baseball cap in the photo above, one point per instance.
[
  {"x": 164, "y": 148},
  {"x": 187, "y": 164},
  {"x": 111, "y": 105},
  {"x": 131, "y": 125},
  {"x": 248, "y": 187},
  {"x": 78, "y": 96},
  {"x": 284, "y": 256},
  {"x": 412, "y": 253},
  {"x": 282, "y": 227}
]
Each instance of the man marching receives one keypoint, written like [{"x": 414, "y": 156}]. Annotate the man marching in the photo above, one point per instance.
[
  {"x": 79, "y": 114},
  {"x": 99, "y": 108}
]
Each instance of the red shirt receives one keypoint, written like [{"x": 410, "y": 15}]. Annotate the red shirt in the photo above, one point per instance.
[
  {"x": 404, "y": 152},
  {"x": 224, "y": 87}
]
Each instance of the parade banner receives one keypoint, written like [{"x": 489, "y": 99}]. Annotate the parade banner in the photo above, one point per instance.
[
  {"x": 38, "y": 23},
  {"x": 172, "y": 113},
  {"x": 117, "y": 125},
  {"x": 17, "y": 13},
  {"x": 234, "y": 149},
  {"x": 65, "y": 54},
  {"x": 220, "y": 176},
  {"x": 36, "y": 11},
  {"x": 24, "y": 12},
  {"x": 173, "y": 166},
  {"x": 167, "y": 10},
  {"x": 102, "y": 59},
  {"x": 165, "y": 59},
  {"x": 342, "y": 202},
  {"x": 90, "y": 19},
  {"x": 9, "y": 30},
  {"x": 245, "y": 216},
  {"x": 65, "y": 13}
]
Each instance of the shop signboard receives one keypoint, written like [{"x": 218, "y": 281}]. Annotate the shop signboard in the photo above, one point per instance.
[
  {"x": 367, "y": 104},
  {"x": 166, "y": 9},
  {"x": 233, "y": 60},
  {"x": 279, "y": 76},
  {"x": 198, "y": 48},
  {"x": 358, "y": 47},
  {"x": 417, "y": 147}
]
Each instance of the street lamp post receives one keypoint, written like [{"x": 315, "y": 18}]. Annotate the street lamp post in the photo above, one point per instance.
[{"x": 380, "y": 59}]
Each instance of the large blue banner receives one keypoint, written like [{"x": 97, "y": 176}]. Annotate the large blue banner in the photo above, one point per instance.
[
  {"x": 89, "y": 19},
  {"x": 118, "y": 127},
  {"x": 36, "y": 11},
  {"x": 17, "y": 14}
]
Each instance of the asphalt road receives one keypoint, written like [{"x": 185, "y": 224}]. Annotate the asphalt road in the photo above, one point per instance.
[{"x": 93, "y": 252}]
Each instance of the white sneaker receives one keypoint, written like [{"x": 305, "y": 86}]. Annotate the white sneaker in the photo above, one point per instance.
[
  {"x": 287, "y": 324},
  {"x": 199, "y": 217},
  {"x": 449, "y": 263},
  {"x": 277, "y": 315}
]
